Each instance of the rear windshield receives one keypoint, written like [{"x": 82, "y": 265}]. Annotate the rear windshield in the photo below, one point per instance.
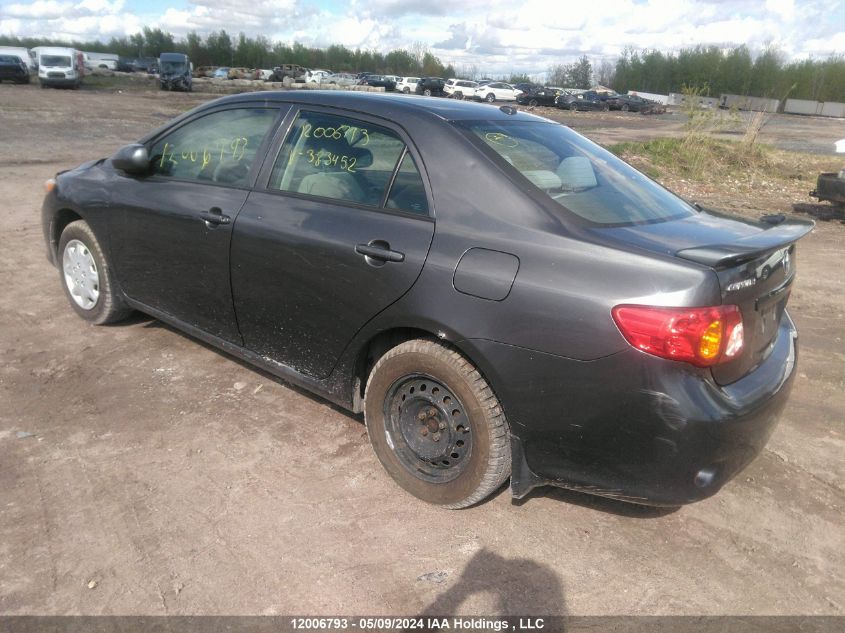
[
  {"x": 577, "y": 174},
  {"x": 55, "y": 61},
  {"x": 10, "y": 59}
]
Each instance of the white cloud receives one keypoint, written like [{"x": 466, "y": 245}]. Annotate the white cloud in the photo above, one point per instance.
[{"x": 496, "y": 35}]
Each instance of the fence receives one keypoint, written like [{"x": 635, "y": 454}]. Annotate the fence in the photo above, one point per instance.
[{"x": 815, "y": 108}]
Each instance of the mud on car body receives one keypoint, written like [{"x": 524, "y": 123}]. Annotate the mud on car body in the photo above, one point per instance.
[{"x": 524, "y": 305}]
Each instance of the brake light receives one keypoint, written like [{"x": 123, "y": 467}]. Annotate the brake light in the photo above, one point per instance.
[{"x": 700, "y": 336}]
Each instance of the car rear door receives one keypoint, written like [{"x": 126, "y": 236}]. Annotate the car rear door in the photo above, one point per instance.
[
  {"x": 337, "y": 230},
  {"x": 171, "y": 249}
]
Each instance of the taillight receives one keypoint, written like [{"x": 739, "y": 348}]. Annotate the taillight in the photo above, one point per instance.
[{"x": 700, "y": 336}]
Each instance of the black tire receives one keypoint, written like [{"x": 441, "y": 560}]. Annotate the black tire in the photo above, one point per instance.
[
  {"x": 110, "y": 306},
  {"x": 427, "y": 92},
  {"x": 605, "y": 107},
  {"x": 458, "y": 95},
  {"x": 490, "y": 98},
  {"x": 573, "y": 107},
  {"x": 626, "y": 107},
  {"x": 406, "y": 90},
  {"x": 533, "y": 103},
  {"x": 475, "y": 436}
]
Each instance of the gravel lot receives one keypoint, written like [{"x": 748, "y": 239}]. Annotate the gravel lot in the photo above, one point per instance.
[{"x": 142, "y": 472}]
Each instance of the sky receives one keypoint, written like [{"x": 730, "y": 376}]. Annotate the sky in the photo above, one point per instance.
[{"x": 503, "y": 36}]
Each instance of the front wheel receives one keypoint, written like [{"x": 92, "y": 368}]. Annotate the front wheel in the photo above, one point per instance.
[
  {"x": 406, "y": 90},
  {"x": 490, "y": 98},
  {"x": 427, "y": 92},
  {"x": 573, "y": 107},
  {"x": 435, "y": 424},
  {"x": 625, "y": 107},
  {"x": 532, "y": 103},
  {"x": 87, "y": 278}
]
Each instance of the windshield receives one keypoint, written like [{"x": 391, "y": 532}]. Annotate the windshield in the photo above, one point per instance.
[
  {"x": 55, "y": 61},
  {"x": 172, "y": 67},
  {"x": 577, "y": 174}
]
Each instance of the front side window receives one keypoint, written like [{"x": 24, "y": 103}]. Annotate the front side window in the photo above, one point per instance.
[
  {"x": 217, "y": 148},
  {"x": 577, "y": 174},
  {"x": 337, "y": 157}
]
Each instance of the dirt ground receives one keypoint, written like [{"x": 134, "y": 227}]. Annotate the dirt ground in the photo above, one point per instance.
[{"x": 142, "y": 472}]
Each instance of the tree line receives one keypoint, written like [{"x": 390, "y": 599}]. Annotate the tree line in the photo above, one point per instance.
[
  {"x": 219, "y": 48},
  {"x": 735, "y": 70},
  {"x": 711, "y": 69}
]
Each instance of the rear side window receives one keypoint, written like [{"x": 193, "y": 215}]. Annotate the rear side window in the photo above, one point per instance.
[
  {"x": 337, "y": 157},
  {"x": 217, "y": 148},
  {"x": 408, "y": 192},
  {"x": 577, "y": 174}
]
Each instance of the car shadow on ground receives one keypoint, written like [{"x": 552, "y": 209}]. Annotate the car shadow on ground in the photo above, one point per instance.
[{"x": 516, "y": 586}]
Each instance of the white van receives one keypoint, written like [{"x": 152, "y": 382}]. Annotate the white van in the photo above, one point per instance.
[
  {"x": 59, "y": 67},
  {"x": 25, "y": 54}
]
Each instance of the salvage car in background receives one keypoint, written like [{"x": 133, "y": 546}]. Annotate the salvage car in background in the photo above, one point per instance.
[
  {"x": 407, "y": 84},
  {"x": 459, "y": 88},
  {"x": 342, "y": 79},
  {"x": 13, "y": 68},
  {"x": 539, "y": 95},
  {"x": 430, "y": 86},
  {"x": 496, "y": 91},
  {"x": 174, "y": 72},
  {"x": 583, "y": 101},
  {"x": 378, "y": 81},
  {"x": 569, "y": 321},
  {"x": 630, "y": 103}
]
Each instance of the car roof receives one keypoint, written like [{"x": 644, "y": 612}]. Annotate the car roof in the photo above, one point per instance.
[{"x": 384, "y": 105}]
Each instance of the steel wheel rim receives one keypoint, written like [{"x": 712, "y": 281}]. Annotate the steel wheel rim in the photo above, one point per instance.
[
  {"x": 428, "y": 429},
  {"x": 81, "y": 276}
]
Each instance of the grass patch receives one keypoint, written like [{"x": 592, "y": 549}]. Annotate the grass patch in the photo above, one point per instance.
[
  {"x": 728, "y": 174},
  {"x": 696, "y": 158}
]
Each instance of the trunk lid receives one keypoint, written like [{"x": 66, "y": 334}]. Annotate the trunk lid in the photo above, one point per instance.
[{"x": 754, "y": 261}]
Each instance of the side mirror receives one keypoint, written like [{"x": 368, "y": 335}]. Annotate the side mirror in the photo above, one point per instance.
[{"x": 133, "y": 159}]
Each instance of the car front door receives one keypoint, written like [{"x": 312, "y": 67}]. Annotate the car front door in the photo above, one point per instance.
[
  {"x": 171, "y": 250},
  {"x": 339, "y": 230}
]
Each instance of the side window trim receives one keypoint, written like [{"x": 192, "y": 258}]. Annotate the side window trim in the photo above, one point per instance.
[
  {"x": 254, "y": 169},
  {"x": 286, "y": 128},
  {"x": 396, "y": 168}
]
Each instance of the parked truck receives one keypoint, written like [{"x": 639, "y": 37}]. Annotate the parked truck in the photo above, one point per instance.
[{"x": 174, "y": 72}]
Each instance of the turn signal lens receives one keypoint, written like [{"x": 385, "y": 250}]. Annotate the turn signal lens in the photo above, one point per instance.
[
  {"x": 49, "y": 185},
  {"x": 701, "y": 336}
]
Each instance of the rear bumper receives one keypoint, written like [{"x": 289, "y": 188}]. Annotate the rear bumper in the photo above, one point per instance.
[{"x": 632, "y": 426}]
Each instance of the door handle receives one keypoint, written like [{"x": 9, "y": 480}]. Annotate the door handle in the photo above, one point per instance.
[
  {"x": 215, "y": 216},
  {"x": 379, "y": 250}
]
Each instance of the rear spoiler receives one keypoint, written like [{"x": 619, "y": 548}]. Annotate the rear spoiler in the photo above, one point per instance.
[{"x": 748, "y": 248}]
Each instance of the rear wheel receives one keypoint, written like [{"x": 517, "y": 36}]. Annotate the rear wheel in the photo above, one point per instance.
[
  {"x": 436, "y": 425},
  {"x": 625, "y": 107},
  {"x": 605, "y": 107},
  {"x": 87, "y": 277}
]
